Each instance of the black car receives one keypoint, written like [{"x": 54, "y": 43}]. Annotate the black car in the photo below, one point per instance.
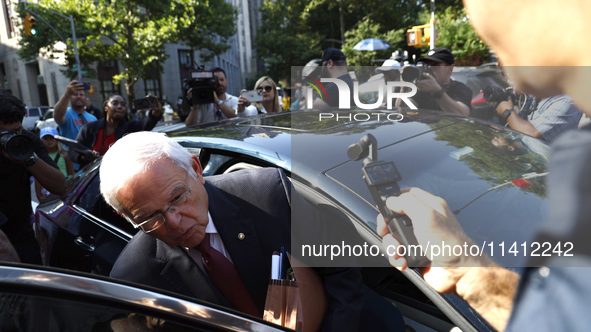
[
  {"x": 35, "y": 298},
  {"x": 495, "y": 195}
]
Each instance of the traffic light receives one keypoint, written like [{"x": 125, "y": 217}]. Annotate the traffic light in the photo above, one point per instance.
[
  {"x": 29, "y": 24},
  {"x": 419, "y": 35}
]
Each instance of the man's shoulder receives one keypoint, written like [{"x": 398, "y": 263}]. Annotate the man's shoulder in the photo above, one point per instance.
[
  {"x": 252, "y": 184},
  {"x": 258, "y": 176}
]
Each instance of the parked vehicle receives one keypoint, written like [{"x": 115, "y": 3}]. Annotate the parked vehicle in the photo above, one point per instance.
[
  {"x": 43, "y": 299},
  {"x": 495, "y": 195},
  {"x": 34, "y": 113}
]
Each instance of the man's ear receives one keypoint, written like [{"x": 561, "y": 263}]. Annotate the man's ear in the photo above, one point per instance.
[{"x": 196, "y": 164}]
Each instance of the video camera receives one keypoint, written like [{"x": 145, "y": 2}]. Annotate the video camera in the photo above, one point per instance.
[
  {"x": 202, "y": 85},
  {"x": 17, "y": 146},
  {"x": 495, "y": 94},
  {"x": 413, "y": 74}
]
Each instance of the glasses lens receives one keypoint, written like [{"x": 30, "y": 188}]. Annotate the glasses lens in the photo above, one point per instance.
[
  {"x": 153, "y": 223},
  {"x": 268, "y": 88}
]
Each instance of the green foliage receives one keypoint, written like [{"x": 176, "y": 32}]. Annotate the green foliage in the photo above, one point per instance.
[
  {"x": 369, "y": 29},
  {"x": 456, "y": 33},
  {"x": 295, "y": 32},
  {"x": 132, "y": 32},
  {"x": 284, "y": 40}
]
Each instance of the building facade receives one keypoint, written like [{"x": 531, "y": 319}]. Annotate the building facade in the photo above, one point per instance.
[{"x": 41, "y": 81}]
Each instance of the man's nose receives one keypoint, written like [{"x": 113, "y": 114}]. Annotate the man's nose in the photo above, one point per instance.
[{"x": 173, "y": 217}]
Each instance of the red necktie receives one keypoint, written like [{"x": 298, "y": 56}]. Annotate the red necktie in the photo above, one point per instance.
[{"x": 225, "y": 277}]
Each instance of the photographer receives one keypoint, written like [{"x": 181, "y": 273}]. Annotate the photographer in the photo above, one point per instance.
[
  {"x": 17, "y": 164},
  {"x": 98, "y": 136},
  {"x": 223, "y": 107},
  {"x": 551, "y": 117},
  {"x": 435, "y": 88}
]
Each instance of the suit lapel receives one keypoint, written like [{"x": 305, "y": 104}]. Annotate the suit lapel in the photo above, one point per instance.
[
  {"x": 239, "y": 234},
  {"x": 184, "y": 276}
]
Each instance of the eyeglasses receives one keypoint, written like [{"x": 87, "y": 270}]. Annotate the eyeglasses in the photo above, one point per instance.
[
  {"x": 155, "y": 222},
  {"x": 267, "y": 88}
]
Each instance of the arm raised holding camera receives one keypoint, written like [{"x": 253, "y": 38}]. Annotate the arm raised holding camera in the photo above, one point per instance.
[{"x": 489, "y": 289}]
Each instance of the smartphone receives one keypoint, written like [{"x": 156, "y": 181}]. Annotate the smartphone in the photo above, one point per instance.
[
  {"x": 253, "y": 95},
  {"x": 145, "y": 103},
  {"x": 86, "y": 85}
]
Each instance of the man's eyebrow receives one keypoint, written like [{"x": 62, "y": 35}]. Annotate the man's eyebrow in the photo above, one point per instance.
[{"x": 170, "y": 198}]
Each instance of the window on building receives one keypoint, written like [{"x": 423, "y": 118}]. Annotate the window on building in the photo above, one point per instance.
[
  {"x": 152, "y": 84},
  {"x": 106, "y": 71}
]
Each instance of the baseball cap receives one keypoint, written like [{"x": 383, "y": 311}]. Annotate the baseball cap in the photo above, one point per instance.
[
  {"x": 333, "y": 54},
  {"x": 388, "y": 65},
  {"x": 439, "y": 54},
  {"x": 48, "y": 131}
]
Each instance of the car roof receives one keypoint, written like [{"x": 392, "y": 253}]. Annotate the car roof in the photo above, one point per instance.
[{"x": 447, "y": 155}]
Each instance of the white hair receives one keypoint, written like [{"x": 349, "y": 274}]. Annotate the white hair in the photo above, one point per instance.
[{"x": 133, "y": 154}]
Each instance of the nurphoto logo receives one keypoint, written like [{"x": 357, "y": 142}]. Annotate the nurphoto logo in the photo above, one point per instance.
[{"x": 345, "y": 93}]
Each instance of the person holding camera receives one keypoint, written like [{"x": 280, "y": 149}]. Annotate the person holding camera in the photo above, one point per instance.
[
  {"x": 223, "y": 107},
  {"x": 22, "y": 155},
  {"x": 334, "y": 65},
  {"x": 265, "y": 87},
  {"x": 551, "y": 117},
  {"x": 435, "y": 88},
  {"x": 98, "y": 136},
  {"x": 552, "y": 292},
  {"x": 72, "y": 119}
]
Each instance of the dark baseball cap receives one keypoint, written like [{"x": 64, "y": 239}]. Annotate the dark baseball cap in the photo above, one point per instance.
[
  {"x": 439, "y": 54},
  {"x": 333, "y": 54}
]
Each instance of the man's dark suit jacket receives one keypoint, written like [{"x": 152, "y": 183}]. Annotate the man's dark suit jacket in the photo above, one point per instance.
[{"x": 256, "y": 203}]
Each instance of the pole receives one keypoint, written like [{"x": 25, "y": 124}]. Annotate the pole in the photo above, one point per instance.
[
  {"x": 76, "y": 49},
  {"x": 432, "y": 27}
]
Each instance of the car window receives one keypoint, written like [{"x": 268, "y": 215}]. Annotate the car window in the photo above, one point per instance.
[
  {"x": 37, "y": 313},
  {"x": 34, "y": 112},
  {"x": 93, "y": 202}
]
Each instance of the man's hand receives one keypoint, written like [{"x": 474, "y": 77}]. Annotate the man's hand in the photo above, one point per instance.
[
  {"x": 489, "y": 289},
  {"x": 428, "y": 84}
]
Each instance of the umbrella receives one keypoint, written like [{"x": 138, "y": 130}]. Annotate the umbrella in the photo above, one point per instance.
[{"x": 371, "y": 44}]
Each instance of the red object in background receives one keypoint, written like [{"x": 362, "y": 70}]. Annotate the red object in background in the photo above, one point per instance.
[
  {"x": 522, "y": 183},
  {"x": 478, "y": 99}
]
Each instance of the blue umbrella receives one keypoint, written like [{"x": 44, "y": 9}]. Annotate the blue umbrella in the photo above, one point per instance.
[{"x": 371, "y": 44}]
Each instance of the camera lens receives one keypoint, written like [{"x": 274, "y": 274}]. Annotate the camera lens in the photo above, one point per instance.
[
  {"x": 411, "y": 74},
  {"x": 18, "y": 147}
]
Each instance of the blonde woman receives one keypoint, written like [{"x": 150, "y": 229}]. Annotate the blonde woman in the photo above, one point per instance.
[{"x": 269, "y": 104}]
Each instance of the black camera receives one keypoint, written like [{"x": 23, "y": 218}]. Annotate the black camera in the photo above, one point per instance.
[
  {"x": 17, "y": 146},
  {"x": 202, "y": 85},
  {"x": 413, "y": 74},
  {"x": 145, "y": 103},
  {"x": 495, "y": 94}
]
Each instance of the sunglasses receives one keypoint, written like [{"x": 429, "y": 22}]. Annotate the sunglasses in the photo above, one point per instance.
[{"x": 267, "y": 88}]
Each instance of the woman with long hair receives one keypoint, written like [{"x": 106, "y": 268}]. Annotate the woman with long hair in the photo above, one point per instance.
[{"x": 270, "y": 103}]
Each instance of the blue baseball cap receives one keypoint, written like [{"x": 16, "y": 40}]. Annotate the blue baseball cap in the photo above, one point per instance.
[{"x": 48, "y": 131}]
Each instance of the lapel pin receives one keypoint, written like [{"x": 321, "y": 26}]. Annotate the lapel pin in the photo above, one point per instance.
[{"x": 241, "y": 236}]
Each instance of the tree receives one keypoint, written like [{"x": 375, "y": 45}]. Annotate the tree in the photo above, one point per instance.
[
  {"x": 130, "y": 31},
  {"x": 283, "y": 39},
  {"x": 456, "y": 33}
]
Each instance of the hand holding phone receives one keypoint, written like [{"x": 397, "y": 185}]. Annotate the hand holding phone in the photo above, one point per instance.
[
  {"x": 145, "y": 103},
  {"x": 253, "y": 95}
]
